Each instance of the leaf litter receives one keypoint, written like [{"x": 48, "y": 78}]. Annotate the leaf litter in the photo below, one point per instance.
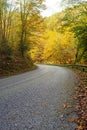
[
  {"x": 81, "y": 98},
  {"x": 81, "y": 101}
]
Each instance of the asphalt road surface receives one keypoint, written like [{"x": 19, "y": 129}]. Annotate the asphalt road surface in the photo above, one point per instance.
[{"x": 37, "y": 100}]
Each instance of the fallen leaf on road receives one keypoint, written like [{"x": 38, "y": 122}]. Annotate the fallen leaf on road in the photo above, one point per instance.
[
  {"x": 74, "y": 119},
  {"x": 69, "y": 106},
  {"x": 80, "y": 127},
  {"x": 64, "y": 106},
  {"x": 44, "y": 105}
]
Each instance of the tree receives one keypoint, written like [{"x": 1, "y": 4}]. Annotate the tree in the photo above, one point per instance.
[
  {"x": 29, "y": 19},
  {"x": 80, "y": 31},
  {"x": 5, "y": 49},
  {"x": 20, "y": 26},
  {"x": 76, "y": 19}
]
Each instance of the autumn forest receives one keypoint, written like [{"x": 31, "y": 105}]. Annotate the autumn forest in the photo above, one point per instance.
[{"x": 26, "y": 37}]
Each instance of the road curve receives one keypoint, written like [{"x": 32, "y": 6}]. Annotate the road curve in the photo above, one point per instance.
[{"x": 35, "y": 100}]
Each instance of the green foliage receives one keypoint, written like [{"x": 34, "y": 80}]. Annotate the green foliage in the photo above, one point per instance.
[{"x": 76, "y": 19}]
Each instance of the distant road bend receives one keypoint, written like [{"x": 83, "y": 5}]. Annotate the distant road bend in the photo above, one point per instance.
[{"x": 34, "y": 100}]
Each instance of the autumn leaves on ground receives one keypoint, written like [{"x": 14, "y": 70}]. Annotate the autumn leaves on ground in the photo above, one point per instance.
[
  {"x": 81, "y": 98},
  {"x": 26, "y": 37}
]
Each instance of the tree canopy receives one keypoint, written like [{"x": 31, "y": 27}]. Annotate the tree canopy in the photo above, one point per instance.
[
  {"x": 26, "y": 36},
  {"x": 19, "y": 22},
  {"x": 65, "y": 36}
]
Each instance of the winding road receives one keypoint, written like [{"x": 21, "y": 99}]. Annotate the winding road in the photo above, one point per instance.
[{"x": 35, "y": 100}]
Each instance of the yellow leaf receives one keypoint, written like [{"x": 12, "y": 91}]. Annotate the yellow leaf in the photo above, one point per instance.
[{"x": 64, "y": 106}]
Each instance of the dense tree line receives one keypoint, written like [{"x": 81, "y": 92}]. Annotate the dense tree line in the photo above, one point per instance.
[
  {"x": 25, "y": 35},
  {"x": 65, "y": 37},
  {"x": 20, "y": 23}
]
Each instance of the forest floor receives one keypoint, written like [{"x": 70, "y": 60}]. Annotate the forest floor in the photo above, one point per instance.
[
  {"x": 81, "y": 100},
  {"x": 16, "y": 66},
  {"x": 6, "y": 73}
]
